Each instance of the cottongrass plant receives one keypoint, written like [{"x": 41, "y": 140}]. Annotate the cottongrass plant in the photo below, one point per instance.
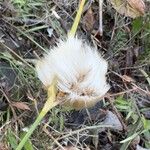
[
  {"x": 74, "y": 74},
  {"x": 80, "y": 71}
]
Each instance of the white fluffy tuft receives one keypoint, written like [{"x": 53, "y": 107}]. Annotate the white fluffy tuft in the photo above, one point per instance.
[{"x": 79, "y": 68}]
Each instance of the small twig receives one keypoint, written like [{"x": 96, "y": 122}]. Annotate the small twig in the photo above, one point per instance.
[
  {"x": 12, "y": 38},
  {"x": 47, "y": 132},
  {"x": 7, "y": 123},
  {"x": 9, "y": 101},
  {"x": 101, "y": 17},
  {"x": 121, "y": 93},
  {"x": 140, "y": 89},
  {"x": 134, "y": 67},
  {"x": 114, "y": 27},
  {"x": 86, "y": 128},
  {"x": 133, "y": 84}
]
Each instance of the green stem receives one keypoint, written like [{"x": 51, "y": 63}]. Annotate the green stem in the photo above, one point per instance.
[
  {"x": 50, "y": 103},
  {"x": 77, "y": 19},
  {"x": 35, "y": 124}
]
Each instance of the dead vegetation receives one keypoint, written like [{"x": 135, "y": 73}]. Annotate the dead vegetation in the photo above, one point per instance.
[{"x": 120, "y": 121}]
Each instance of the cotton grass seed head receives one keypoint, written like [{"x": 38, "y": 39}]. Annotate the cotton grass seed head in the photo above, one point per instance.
[{"x": 80, "y": 72}]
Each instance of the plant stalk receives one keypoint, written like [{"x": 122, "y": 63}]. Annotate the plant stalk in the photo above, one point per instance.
[
  {"x": 50, "y": 103},
  {"x": 77, "y": 19}
]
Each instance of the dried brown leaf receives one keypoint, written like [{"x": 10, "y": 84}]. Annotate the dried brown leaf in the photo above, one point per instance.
[
  {"x": 21, "y": 105},
  {"x": 89, "y": 19},
  {"x": 131, "y": 8},
  {"x": 138, "y": 5}
]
